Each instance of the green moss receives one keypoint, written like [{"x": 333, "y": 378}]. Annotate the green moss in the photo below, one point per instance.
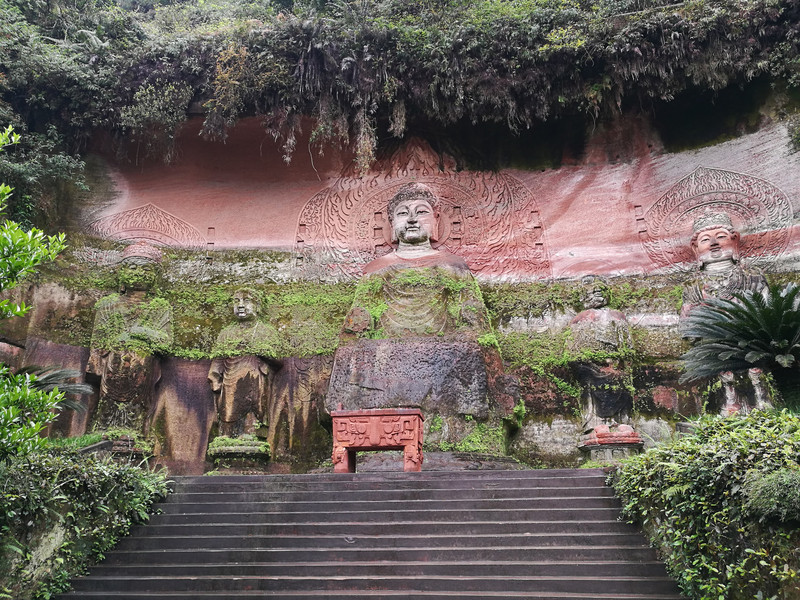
[
  {"x": 489, "y": 340},
  {"x": 483, "y": 439},
  {"x": 533, "y": 300},
  {"x": 244, "y": 441},
  {"x": 436, "y": 423}
]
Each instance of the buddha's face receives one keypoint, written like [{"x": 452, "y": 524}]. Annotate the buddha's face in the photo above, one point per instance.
[
  {"x": 414, "y": 222},
  {"x": 244, "y": 306},
  {"x": 716, "y": 245},
  {"x": 135, "y": 277}
]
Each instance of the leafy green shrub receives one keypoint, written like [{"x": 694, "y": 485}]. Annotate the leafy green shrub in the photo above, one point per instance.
[
  {"x": 24, "y": 412},
  {"x": 692, "y": 495},
  {"x": 59, "y": 511},
  {"x": 774, "y": 496}
]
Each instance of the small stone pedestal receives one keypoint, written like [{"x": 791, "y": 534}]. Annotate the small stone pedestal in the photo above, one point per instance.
[
  {"x": 374, "y": 430},
  {"x": 608, "y": 444},
  {"x": 246, "y": 455}
]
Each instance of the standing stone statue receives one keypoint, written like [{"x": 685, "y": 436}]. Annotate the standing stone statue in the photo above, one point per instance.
[
  {"x": 130, "y": 333},
  {"x": 241, "y": 375},
  {"x": 720, "y": 274},
  {"x": 410, "y": 338},
  {"x": 599, "y": 336}
]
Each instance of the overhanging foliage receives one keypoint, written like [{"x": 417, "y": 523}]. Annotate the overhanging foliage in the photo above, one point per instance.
[{"x": 369, "y": 68}]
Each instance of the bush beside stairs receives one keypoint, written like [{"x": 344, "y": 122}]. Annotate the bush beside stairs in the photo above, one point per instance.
[{"x": 542, "y": 534}]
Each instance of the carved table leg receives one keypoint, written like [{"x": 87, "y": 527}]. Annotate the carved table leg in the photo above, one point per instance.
[{"x": 412, "y": 459}]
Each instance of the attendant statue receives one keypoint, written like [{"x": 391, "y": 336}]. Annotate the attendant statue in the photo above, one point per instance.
[
  {"x": 131, "y": 330},
  {"x": 241, "y": 374},
  {"x": 411, "y": 336},
  {"x": 720, "y": 274}
]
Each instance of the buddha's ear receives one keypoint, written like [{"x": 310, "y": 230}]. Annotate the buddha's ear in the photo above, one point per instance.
[
  {"x": 437, "y": 230},
  {"x": 738, "y": 239}
]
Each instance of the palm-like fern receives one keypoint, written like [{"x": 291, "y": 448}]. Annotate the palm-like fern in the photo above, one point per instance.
[
  {"x": 49, "y": 378},
  {"x": 749, "y": 330}
]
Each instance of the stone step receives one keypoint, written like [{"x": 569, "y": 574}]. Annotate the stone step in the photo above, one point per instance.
[
  {"x": 407, "y": 495},
  {"x": 329, "y": 506},
  {"x": 383, "y": 527},
  {"x": 519, "y": 540},
  {"x": 500, "y": 534},
  {"x": 397, "y": 568},
  {"x": 565, "y": 514},
  {"x": 371, "y": 481},
  {"x": 371, "y": 594},
  {"x": 467, "y": 583},
  {"x": 386, "y": 476},
  {"x": 596, "y": 552}
]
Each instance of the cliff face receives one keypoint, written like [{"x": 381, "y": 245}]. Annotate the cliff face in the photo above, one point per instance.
[{"x": 623, "y": 206}]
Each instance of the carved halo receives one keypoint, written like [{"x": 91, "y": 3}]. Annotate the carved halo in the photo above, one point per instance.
[
  {"x": 490, "y": 219},
  {"x": 148, "y": 223},
  {"x": 758, "y": 210}
]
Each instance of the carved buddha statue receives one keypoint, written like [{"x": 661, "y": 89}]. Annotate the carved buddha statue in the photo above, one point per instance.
[
  {"x": 417, "y": 289},
  {"x": 129, "y": 333},
  {"x": 411, "y": 336},
  {"x": 720, "y": 274},
  {"x": 242, "y": 372}
]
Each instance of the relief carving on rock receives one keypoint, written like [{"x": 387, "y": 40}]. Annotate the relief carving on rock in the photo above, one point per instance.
[
  {"x": 723, "y": 227},
  {"x": 130, "y": 332},
  {"x": 148, "y": 223},
  {"x": 761, "y": 212},
  {"x": 489, "y": 219}
]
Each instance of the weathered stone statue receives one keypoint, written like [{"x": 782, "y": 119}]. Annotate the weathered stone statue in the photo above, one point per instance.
[
  {"x": 410, "y": 339},
  {"x": 241, "y": 375},
  {"x": 720, "y": 274},
  {"x": 130, "y": 332},
  {"x": 599, "y": 337}
]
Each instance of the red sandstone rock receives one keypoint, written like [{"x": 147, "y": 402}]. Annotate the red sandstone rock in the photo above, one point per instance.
[
  {"x": 617, "y": 434},
  {"x": 510, "y": 225}
]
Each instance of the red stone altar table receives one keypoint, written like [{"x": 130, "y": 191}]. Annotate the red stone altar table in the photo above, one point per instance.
[{"x": 376, "y": 429}]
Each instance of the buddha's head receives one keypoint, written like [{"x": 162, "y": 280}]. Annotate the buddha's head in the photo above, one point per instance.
[
  {"x": 412, "y": 213},
  {"x": 245, "y": 304},
  {"x": 139, "y": 268},
  {"x": 715, "y": 240}
]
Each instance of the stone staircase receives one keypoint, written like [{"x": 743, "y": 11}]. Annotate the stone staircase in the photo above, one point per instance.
[{"x": 545, "y": 534}]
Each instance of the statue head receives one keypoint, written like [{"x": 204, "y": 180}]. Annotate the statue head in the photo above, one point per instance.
[
  {"x": 714, "y": 239},
  {"x": 412, "y": 213},
  {"x": 245, "y": 304},
  {"x": 595, "y": 293},
  {"x": 140, "y": 267}
]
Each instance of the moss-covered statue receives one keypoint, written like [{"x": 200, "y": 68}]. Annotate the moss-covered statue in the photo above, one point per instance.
[
  {"x": 241, "y": 374},
  {"x": 599, "y": 340},
  {"x": 411, "y": 336},
  {"x": 720, "y": 274},
  {"x": 131, "y": 330}
]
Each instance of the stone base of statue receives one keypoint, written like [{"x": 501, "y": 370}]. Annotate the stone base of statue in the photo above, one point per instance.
[
  {"x": 244, "y": 454},
  {"x": 437, "y": 376},
  {"x": 611, "y": 443}
]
